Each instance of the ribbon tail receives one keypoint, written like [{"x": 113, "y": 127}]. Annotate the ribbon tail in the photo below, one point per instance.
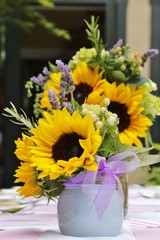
[
  {"x": 103, "y": 198},
  {"x": 89, "y": 186}
]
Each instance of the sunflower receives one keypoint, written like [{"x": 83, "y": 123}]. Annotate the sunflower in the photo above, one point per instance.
[
  {"x": 89, "y": 85},
  {"x": 64, "y": 144},
  {"x": 126, "y": 101},
  {"x": 25, "y": 173}
]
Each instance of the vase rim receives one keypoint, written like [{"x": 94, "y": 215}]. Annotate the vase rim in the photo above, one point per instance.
[{"x": 77, "y": 186}]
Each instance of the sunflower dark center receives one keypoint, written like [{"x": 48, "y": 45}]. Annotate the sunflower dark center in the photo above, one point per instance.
[
  {"x": 82, "y": 91},
  {"x": 121, "y": 111},
  {"x": 67, "y": 147}
]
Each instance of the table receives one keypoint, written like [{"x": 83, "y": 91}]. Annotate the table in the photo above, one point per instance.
[{"x": 38, "y": 221}]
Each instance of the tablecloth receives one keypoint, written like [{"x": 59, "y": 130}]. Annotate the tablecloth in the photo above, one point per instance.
[{"x": 38, "y": 221}]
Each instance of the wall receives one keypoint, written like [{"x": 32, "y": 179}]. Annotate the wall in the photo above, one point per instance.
[
  {"x": 138, "y": 37},
  {"x": 139, "y": 27}
]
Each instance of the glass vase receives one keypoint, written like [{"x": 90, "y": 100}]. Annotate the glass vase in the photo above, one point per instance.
[{"x": 77, "y": 215}]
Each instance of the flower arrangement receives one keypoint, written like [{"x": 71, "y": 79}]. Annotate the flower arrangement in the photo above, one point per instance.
[{"x": 87, "y": 114}]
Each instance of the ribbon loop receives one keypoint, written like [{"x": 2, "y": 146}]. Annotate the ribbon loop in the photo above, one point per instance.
[{"x": 108, "y": 172}]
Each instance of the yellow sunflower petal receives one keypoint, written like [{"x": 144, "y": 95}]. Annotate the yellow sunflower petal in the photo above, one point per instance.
[{"x": 126, "y": 102}]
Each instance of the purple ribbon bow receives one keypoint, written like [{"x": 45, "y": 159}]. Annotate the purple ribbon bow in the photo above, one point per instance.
[{"x": 110, "y": 171}]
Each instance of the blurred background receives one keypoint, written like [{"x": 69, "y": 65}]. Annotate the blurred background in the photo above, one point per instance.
[{"x": 24, "y": 53}]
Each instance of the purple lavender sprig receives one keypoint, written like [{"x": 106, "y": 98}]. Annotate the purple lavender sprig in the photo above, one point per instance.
[
  {"x": 46, "y": 72},
  {"x": 64, "y": 68},
  {"x": 149, "y": 53},
  {"x": 53, "y": 99},
  {"x": 118, "y": 43},
  {"x": 66, "y": 80},
  {"x": 68, "y": 106},
  {"x": 42, "y": 78},
  {"x": 66, "y": 86}
]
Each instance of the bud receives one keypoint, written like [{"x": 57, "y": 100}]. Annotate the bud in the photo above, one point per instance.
[
  {"x": 84, "y": 112},
  {"x": 136, "y": 54},
  {"x": 106, "y": 101},
  {"x": 121, "y": 59},
  {"x": 99, "y": 124},
  {"x": 93, "y": 116},
  {"x": 118, "y": 49},
  {"x": 111, "y": 120},
  {"x": 139, "y": 62},
  {"x": 103, "y": 109},
  {"x": 123, "y": 67},
  {"x": 105, "y": 53},
  {"x": 140, "y": 68}
]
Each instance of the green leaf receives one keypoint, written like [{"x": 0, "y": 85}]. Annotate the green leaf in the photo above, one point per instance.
[
  {"x": 156, "y": 146},
  {"x": 148, "y": 159},
  {"x": 93, "y": 34},
  {"x": 118, "y": 76},
  {"x": 20, "y": 119},
  {"x": 46, "y": 3},
  {"x": 52, "y": 67},
  {"x": 137, "y": 81}
]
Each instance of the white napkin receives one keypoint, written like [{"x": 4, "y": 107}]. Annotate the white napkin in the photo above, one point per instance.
[{"x": 126, "y": 234}]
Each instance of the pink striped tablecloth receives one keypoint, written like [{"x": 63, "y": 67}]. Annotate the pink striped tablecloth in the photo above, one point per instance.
[
  {"x": 20, "y": 234},
  {"x": 39, "y": 222},
  {"x": 144, "y": 212}
]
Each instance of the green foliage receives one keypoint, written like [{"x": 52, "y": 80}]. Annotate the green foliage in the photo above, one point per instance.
[
  {"x": 52, "y": 67},
  {"x": 111, "y": 144},
  {"x": 51, "y": 188},
  {"x": 153, "y": 178},
  {"x": 12, "y": 10},
  {"x": 93, "y": 33},
  {"x": 20, "y": 119}
]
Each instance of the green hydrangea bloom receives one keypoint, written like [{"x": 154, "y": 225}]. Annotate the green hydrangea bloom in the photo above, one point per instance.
[
  {"x": 151, "y": 104},
  {"x": 84, "y": 54}
]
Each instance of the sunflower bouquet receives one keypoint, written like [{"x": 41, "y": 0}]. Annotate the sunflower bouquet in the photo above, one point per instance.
[{"x": 87, "y": 114}]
